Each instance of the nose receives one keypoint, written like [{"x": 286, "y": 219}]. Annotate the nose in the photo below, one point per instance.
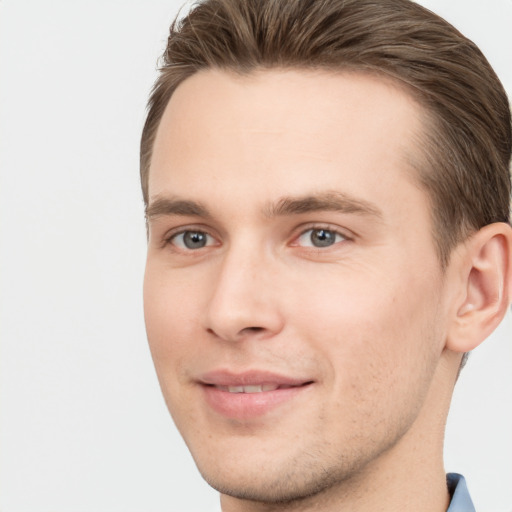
[{"x": 245, "y": 299}]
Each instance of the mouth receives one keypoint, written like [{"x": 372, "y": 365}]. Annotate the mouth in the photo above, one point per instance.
[
  {"x": 251, "y": 394},
  {"x": 255, "y": 388}
]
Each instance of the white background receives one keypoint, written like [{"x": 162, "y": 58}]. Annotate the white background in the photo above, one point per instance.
[{"x": 83, "y": 425}]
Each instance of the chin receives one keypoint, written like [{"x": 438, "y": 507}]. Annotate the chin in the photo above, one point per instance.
[
  {"x": 276, "y": 480},
  {"x": 287, "y": 488}
]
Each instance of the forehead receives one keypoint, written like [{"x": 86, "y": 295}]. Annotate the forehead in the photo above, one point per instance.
[{"x": 284, "y": 132}]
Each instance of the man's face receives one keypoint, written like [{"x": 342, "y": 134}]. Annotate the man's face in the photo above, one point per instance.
[{"x": 291, "y": 257}]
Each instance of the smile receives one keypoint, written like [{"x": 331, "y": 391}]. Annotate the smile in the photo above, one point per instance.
[
  {"x": 252, "y": 388},
  {"x": 250, "y": 395}
]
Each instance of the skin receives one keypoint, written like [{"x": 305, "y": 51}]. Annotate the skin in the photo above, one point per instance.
[{"x": 367, "y": 319}]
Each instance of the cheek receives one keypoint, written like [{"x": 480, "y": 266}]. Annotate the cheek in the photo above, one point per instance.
[
  {"x": 373, "y": 329},
  {"x": 171, "y": 316},
  {"x": 379, "y": 355},
  {"x": 170, "y": 312}
]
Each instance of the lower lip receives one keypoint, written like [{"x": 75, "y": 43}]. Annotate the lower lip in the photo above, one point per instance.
[{"x": 249, "y": 405}]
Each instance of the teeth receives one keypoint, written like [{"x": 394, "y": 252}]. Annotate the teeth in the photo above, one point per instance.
[
  {"x": 252, "y": 389},
  {"x": 258, "y": 388}
]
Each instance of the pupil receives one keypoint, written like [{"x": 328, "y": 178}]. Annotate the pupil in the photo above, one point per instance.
[
  {"x": 322, "y": 237},
  {"x": 194, "y": 239}
]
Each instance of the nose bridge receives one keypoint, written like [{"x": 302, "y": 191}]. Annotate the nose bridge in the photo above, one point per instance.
[{"x": 243, "y": 302}]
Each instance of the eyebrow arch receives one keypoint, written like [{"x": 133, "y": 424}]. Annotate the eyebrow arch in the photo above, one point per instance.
[
  {"x": 171, "y": 206},
  {"x": 326, "y": 201}
]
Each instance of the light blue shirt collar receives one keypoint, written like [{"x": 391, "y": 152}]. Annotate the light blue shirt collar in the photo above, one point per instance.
[{"x": 461, "y": 501}]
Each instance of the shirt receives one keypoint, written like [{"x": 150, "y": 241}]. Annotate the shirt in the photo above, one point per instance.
[{"x": 461, "y": 501}]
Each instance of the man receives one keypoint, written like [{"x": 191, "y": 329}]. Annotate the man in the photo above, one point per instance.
[{"x": 327, "y": 193}]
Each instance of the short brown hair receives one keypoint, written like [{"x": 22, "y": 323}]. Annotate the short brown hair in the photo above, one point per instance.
[{"x": 465, "y": 162}]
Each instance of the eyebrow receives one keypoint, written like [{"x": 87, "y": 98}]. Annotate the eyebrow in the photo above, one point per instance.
[
  {"x": 332, "y": 201},
  {"x": 326, "y": 201},
  {"x": 171, "y": 206}
]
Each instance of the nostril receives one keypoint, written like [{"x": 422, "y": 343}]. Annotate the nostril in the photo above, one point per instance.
[{"x": 246, "y": 330}]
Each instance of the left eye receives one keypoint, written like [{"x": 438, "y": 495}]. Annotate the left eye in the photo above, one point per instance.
[
  {"x": 320, "y": 238},
  {"x": 192, "y": 240}
]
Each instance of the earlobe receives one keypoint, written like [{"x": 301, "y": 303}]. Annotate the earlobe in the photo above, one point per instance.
[{"x": 487, "y": 287}]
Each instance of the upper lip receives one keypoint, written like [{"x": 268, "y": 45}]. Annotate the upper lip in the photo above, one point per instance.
[{"x": 250, "y": 377}]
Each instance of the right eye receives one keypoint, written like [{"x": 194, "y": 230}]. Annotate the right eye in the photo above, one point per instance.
[{"x": 191, "y": 240}]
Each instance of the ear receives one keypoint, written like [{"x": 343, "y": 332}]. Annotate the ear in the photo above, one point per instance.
[{"x": 486, "y": 270}]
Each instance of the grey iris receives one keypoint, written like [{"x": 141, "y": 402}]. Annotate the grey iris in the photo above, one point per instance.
[
  {"x": 322, "y": 237},
  {"x": 194, "y": 239}
]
